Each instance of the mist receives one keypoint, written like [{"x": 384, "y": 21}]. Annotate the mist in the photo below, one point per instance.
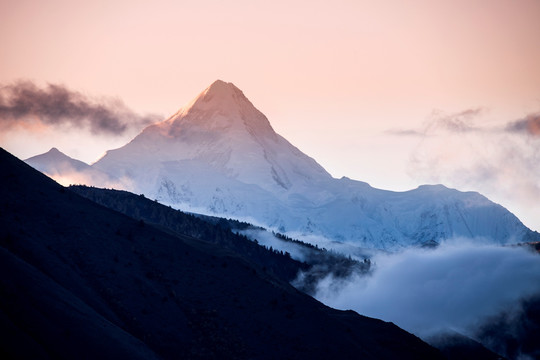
[
  {"x": 267, "y": 239},
  {"x": 78, "y": 173},
  {"x": 89, "y": 177},
  {"x": 456, "y": 286}
]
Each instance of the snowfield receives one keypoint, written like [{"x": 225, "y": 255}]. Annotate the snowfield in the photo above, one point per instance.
[{"x": 219, "y": 155}]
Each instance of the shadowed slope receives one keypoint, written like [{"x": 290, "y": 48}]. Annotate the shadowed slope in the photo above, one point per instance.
[{"x": 80, "y": 280}]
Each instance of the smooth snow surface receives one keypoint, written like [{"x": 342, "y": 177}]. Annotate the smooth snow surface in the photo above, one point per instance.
[
  {"x": 69, "y": 171},
  {"x": 219, "y": 155}
]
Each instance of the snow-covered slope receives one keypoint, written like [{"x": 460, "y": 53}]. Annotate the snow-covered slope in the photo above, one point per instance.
[
  {"x": 56, "y": 162},
  {"x": 220, "y": 155},
  {"x": 67, "y": 170},
  {"x": 223, "y": 131},
  {"x": 390, "y": 220}
]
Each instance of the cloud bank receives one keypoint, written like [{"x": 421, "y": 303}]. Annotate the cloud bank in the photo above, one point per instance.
[
  {"x": 454, "y": 287},
  {"x": 24, "y": 103}
]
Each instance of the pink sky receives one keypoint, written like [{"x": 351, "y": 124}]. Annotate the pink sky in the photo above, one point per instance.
[{"x": 332, "y": 77}]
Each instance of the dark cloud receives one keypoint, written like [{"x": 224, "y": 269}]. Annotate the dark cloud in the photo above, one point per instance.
[
  {"x": 25, "y": 103},
  {"x": 529, "y": 125}
]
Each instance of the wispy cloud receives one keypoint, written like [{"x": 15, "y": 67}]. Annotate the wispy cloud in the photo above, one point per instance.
[
  {"x": 439, "y": 121},
  {"x": 460, "y": 122},
  {"x": 464, "y": 121},
  {"x": 500, "y": 161},
  {"x": 404, "y": 132},
  {"x": 24, "y": 103}
]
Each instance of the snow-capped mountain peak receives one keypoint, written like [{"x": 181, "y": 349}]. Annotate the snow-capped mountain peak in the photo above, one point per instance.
[
  {"x": 220, "y": 155},
  {"x": 66, "y": 170},
  {"x": 55, "y": 162},
  {"x": 221, "y": 107},
  {"x": 223, "y": 132}
]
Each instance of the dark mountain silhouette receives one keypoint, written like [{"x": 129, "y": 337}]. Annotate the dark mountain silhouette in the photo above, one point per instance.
[
  {"x": 509, "y": 334},
  {"x": 179, "y": 223},
  {"x": 83, "y": 281},
  {"x": 514, "y": 334},
  {"x": 317, "y": 263},
  {"x": 459, "y": 347}
]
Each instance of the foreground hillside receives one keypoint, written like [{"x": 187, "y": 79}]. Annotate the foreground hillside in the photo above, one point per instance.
[
  {"x": 313, "y": 262},
  {"x": 82, "y": 281}
]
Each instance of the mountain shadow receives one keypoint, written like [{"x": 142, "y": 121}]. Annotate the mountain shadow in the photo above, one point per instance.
[
  {"x": 316, "y": 263},
  {"x": 83, "y": 281},
  {"x": 214, "y": 230}
]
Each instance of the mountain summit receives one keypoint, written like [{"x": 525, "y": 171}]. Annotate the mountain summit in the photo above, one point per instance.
[
  {"x": 221, "y": 131},
  {"x": 221, "y": 107},
  {"x": 219, "y": 155}
]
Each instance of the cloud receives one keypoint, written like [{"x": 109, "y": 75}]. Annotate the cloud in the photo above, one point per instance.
[
  {"x": 267, "y": 239},
  {"x": 463, "y": 122},
  {"x": 454, "y": 287},
  {"x": 497, "y": 160},
  {"x": 439, "y": 121},
  {"x": 404, "y": 132},
  {"x": 23, "y": 103},
  {"x": 529, "y": 125},
  {"x": 90, "y": 177},
  {"x": 75, "y": 173},
  {"x": 456, "y": 122}
]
